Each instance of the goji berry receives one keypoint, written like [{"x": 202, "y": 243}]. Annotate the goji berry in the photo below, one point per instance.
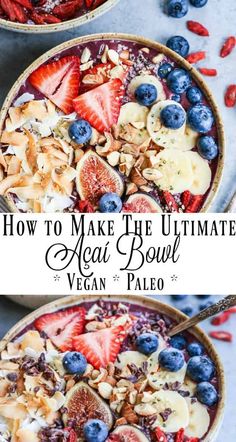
[
  {"x": 208, "y": 72},
  {"x": 160, "y": 435},
  {"x": 230, "y": 96},
  {"x": 84, "y": 207},
  {"x": 180, "y": 436},
  {"x": 14, "y": 11},
  {"x": 169, "y": 200},
  {"x": 186, "y": 198},
  {"x": 231, "y": 310},
  {"x": 196, "y": 56},
  {"x": 220, "y": 319},
  {"x": 221, "y": 336},
  {"x": 197, "y": 28},
  {"x": 67, "y": 10},
  {"x": 228, "y": 46},
  {"x": 26, "y": 3},
  {"x": 194, "y": 204},
  {"x": 72, "y": 434},
  {"x": 89, "y": 3},
  {"x": 192, "y": 439}
]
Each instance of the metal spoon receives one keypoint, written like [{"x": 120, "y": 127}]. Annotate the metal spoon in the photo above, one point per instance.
[{"x": 220, "y": 306}]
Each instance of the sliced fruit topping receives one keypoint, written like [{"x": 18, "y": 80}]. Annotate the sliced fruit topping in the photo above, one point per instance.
[
  {"x": 201, "y": 172},
  {"x": 83, "y": 403},
  {"x": 176, "y": 173},
  {"x": 100, "y": 347},
  {"x": 199, "y": 419},
  {"x": 59, "y": 81},
  {"x": 130, "y": 357},
  {"x": 162, "y": 377},
  {"x": 101, "y": 106},
  {"x": 127, "y": 433},
  {"x": 95, "y": 177},
  {"x": 141, "y": 203},
  {"x": 62, "y": 326},
  {"x": 96, "y": 76}
]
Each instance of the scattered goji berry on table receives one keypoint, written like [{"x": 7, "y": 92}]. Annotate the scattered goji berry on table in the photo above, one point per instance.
[
  {"x": 208, "y": 72},
  {"x": 196, "y": 56},
  {"x": 220, "y": 319},
  {"x": 228, "y": 46},
  {"x": 160, "y": 435},
  {"x": 221, "y": 336},
  {"x": 180, "y": 436},
  {"x": 231, "y": 310},
  {"x": 230, "y": 96},
  {"x": 197, "y": 28}
]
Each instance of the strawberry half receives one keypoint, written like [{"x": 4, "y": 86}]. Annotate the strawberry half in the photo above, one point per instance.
[
  {"x": 101, "y": 106},
  {"x": 61, "y": 327},
  {"x": 59, "y": 81},
  {"x": 100, "y": 347}
]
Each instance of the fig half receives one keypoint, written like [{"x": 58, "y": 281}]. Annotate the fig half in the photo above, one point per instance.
[
  {"x": 83, "y": 403},
  {"x": 95, "y": 177},
  {"x": 127, "y": 433},
  {"x": 141, "y": 203}
]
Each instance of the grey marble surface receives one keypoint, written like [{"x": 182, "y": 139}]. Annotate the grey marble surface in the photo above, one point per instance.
[
  {"x": 10, "y": 313},
  {"x": 17, "y": 51}
]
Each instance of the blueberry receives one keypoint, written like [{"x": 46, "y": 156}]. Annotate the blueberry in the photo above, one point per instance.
[
  {"x": 194, "y": 95},
  {"x": 110, "y": 202},
  {"x": 146, "y": 94},
  {"x": 205, "y": 305},
  {"x": 195, "y": 349},
  {"x": 147, "y": 343},
  {"x": 178, "y": 342},
  {"x": 198, "y": 3},
  {"x": 200, "y": 118},
  {"x": 164, "y": 70},
  {"x": 95, "y": 430},
  {"x": 206, "y": 394},
  {"x": 177, "y": 8},
  {"x": 171, "y": 359},
  {"x": 207, "y": 147},
  {"x": 178, "y": 44},
  {"x": 74, "y": 363},
  {"x": 178, "y": 81},
  {"x": 173, "y": 116},
  {"x": 178, "y": 297},
  {"x": 200, "y": 368},
  {"x": 176, "y": 98},
  {"x": 80, "y": 131},
  {"x": 187, "y": 310}
]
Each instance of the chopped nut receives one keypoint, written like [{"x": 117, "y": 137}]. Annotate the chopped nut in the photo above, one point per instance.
[
  {"x": 113, "y": 56},
  {"x": 113, "y": 158},
  {"x": 104, "y": 55},
  {"x": 95, "y": 325},
  {"x": 132, "y": 397},
  {"x": 70, "y": 383},
  {"x": 129, "y": 414},
  {"x": 131, "y": 188},
  {"x": 158, "y": 58},
  {"x": 105, "y": 390},
  {"x": 145, "y": 189},
  {"x": 124, "y": 54},
  {"x": 111, "y": 369},
  {"x": 137, "y": 178},
  {"x": 78, "y": 155},
  {"x": 151, "y": 174},
  {"x": 145, "y": 409},
  {"x": 138, "y": 124},
  {"x": 112, "y": 381},
  {"x": 85, "y": 66},
  {"x": 120, "y": 421},
  {"x": 117, "y": 72},
  {"x": 86, "y": 54}
]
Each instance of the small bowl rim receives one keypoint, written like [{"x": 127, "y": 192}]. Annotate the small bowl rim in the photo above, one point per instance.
[
  {"x": 58, "y": 27},
  {"x": 148, "y": 302},
  {"x": 197, "y": 77}
]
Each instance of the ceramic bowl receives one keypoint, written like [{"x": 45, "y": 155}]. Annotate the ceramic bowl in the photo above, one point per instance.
[
  {"x": 147, "y": 302},
  {"x": 63, "y": 26},
  {"x": 145, "y": 43}
]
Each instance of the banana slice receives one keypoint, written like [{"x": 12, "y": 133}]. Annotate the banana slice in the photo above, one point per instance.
[
  {"x": 130, "y": 357},
  {"x": 163, "y": 400},
  {"x": 183, "y": 138},
  {"x": 176, "y": 169},
  {"x": 133, "y": 113},
  {"x": 199, "y": 419},
  {"x": 201, "y": 174},
  {"x": 189, "y": 386},
  {"x": 147, "y": 79},
  {"x": 152, "y": 361},
  {"x": 162, "y": 377}
]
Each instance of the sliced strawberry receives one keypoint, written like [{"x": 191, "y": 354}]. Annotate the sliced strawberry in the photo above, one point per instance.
[
  {"x": 101, "y": 106},
  {"x": 100, "y": 347},
  {"x": 186, "y": 198},
  {"x": 26, "y": 3},
  {"x": 195, "y": 204},
  {"x": 61, "y": 327},
  {"x": 58, "y": 81},
  {"x": 89, "y": 3}
]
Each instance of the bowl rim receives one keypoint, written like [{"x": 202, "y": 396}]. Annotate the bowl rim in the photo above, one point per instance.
[
  {"x": 148, "y": 302},
  {"x": 148, "y": 43},
  {"x": 58, "y": 27}
]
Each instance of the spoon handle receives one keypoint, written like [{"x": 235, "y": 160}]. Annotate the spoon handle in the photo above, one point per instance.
[{"x": 220, "y": 306}]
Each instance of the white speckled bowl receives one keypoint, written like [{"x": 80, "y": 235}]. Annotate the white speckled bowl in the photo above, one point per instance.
[
  {"x": 63, "y": 26},
  {"x": 147, "y": 302}
]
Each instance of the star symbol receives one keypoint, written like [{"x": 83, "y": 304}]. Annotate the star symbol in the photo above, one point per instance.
[
  {"x": 56, "y": 278},
  {"x": 116, "y": 278},
  {"x": 174, "y": 278}
]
